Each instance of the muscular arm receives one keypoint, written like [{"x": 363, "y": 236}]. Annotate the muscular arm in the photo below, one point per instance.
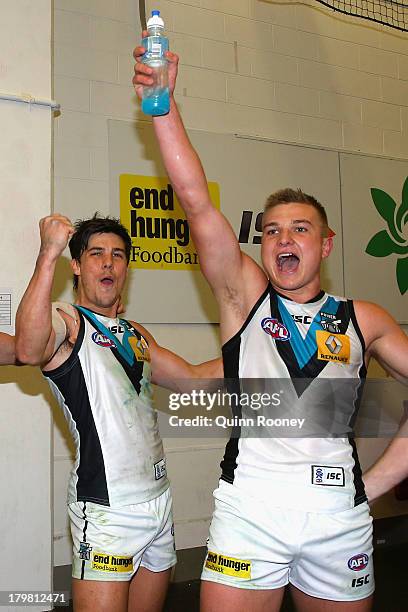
[
  {"x": 384, "y": 338},
  {"x": 7, "y": 349},
  {"x": 234, "y": 277},
  {"x": 35, "y": 335},
  {"x": 386, "y": 341},
  {"x": 391, "y": 467},
  {"x": 169, "y": 369}
]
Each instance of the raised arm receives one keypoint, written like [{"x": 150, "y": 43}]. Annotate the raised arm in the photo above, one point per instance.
[
  {"x": 228, "y": 271},
  {"x": 36, "y": 337},
  {"x": 7, "y": 349}
]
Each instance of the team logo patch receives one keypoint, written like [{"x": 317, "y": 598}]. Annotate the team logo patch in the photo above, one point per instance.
[
  {"x": 102, "y": 340},
  {"x": 228, "y": 566},
  {"x": 332, "y": 347},
  {"x": 327, "y": 476},
  {"x": 358, "y": 562},
  {"x": 275, "y": 329},
  {"x": 85, "y": 551},
  {"x": 330, "y": 323},
  {"x": 160, "y": 469},
  {"x": 111, "y": 563},
  {"x": 140, "y": 348}
]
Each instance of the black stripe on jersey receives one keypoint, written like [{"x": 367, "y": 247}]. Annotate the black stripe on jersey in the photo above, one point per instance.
[
  {"x": 69, "y": 380},
  {"x": 84, "y": 539},
  {"x": 231, "y": 368},
  {"x": 314, "y": 366},
  {"x": 230, "y": 355},
  {"x": 135, "y": 371},
  {"x": 360, "y": 495},
  {"x": 363, "y": 370}
]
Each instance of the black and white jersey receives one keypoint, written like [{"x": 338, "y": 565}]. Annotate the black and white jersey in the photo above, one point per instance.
[
  {"x": 313, "y": 347},
  {"x": 105, "y": 392}
]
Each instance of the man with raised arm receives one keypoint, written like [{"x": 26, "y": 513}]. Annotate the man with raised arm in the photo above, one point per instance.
[
  {"x": 100, "y": 369},
  {"x": 287, "y": 510}
]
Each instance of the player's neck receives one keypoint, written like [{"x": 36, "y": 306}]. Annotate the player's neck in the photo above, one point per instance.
[
  {"x": 301, "y": 295},
  {"x": 105, "y": 311}
]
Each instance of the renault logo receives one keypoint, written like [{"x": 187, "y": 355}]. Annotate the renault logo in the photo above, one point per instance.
[{"x": 334, "y": 345}]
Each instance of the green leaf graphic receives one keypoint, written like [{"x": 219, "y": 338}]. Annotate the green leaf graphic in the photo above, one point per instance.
[
  {"x": 402, "y": 275},
  {"x": 404, "y": 206},
  {"x": 386, "y": 207},
  {"x": 382, "y": 245}
]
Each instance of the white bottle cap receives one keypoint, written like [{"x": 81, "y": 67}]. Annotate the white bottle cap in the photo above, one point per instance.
[{"x": 155, "y": 20}]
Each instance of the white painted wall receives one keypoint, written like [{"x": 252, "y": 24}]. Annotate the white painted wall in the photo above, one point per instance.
[
  {"x": 25, "y": 184},
  {"x": 285, "y": 71}
]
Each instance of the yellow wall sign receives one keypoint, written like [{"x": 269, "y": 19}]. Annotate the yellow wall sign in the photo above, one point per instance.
[{"x": 160, "y": 234}]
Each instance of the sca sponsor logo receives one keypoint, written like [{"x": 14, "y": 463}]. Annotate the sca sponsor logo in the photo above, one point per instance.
[
  {"x": 102, "y": 340},
  {"x": 275, "y": 329},
  {"x": 228, "y": 565},
  {"x": 358, "y": 562},
  {"x": 112, "y": 563}
]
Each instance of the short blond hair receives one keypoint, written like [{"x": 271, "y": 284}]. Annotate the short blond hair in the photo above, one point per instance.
[{"x": 296, "y": 196}]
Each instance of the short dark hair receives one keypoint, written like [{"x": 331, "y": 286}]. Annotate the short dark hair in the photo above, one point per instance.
[
  {"x": 296, "y": 196},
  {"x": 85, "y": 228}
]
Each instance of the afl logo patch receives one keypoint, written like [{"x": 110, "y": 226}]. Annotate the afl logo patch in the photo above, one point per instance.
[
  {"x": 358, "y": 562},
  {"x": 102, "y": 340},
  {"x": 275, "y": 329}
]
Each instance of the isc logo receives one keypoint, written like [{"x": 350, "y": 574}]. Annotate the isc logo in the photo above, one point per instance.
[
  {"x": 275, "y": 329},
  {"x": 358, "y": 582},
  {"x": 358, "y": 562}
]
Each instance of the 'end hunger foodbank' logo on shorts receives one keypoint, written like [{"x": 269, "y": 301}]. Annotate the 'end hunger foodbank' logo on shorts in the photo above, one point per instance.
[
  {"x": 111, "y": 563},
  {"x": 358, "y": 562},
  {"x": 102, "y": 340},
  {"x": 275, "y": 329},
  {"x": 160, "y": 233},
  {"x": 228, "y": 565}
]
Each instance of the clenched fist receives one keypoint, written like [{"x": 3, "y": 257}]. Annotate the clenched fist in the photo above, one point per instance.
[{"x": 55, "y": 232}]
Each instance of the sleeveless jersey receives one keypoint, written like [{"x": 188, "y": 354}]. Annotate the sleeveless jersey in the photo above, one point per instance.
[
  {"x": 312, "y": 355},
  {"x": 105, "y": 392}
]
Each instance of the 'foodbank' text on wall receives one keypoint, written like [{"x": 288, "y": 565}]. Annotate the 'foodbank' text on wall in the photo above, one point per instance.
[{"x": 160, "y": 234}]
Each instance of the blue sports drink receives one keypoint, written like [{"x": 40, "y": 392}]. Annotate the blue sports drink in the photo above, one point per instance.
[{"x": 156, "y": 100}]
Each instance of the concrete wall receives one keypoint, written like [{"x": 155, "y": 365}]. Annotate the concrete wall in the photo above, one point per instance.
[{"x": 25, "y": 193}]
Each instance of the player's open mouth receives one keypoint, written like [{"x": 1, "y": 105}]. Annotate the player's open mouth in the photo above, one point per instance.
[
  {"x": 287, "y": 262},
  {"x": 107, "y": 281}
]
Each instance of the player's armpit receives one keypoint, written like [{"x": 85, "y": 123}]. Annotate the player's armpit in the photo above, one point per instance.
[{"x": 63, "y": 317}]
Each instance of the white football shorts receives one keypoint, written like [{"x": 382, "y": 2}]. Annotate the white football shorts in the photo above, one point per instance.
[
  {"x": 254, "y": 544},
  {"x": 111, "y": 543}
]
